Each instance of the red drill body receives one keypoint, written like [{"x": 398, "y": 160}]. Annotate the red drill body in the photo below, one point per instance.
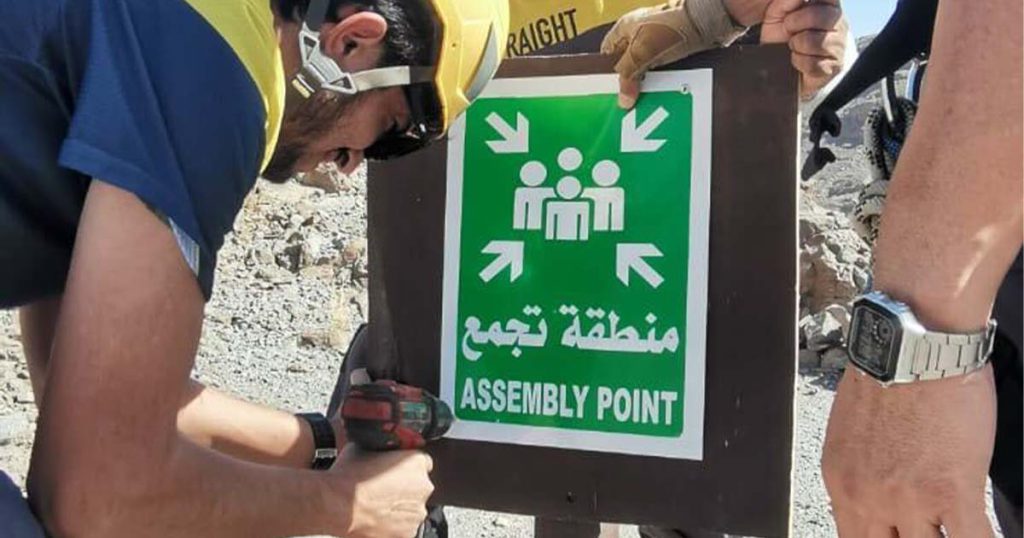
[{"x": 388, "y": 416}]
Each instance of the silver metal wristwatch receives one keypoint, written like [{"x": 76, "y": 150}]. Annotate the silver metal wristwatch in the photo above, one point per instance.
[{"x": 887, "y": 342}]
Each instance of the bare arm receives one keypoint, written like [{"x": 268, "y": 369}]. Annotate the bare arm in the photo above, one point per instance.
[
  {"x": 914, "y": 458},
  {"x": 208, "y": 417},
  {"x": 108, "y": 459},
  {"x": 246, "y": 430},
  {"x": 952, "y": 222}
]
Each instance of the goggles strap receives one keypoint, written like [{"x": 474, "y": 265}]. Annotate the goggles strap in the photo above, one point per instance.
[{"x": 321, "y": 71}]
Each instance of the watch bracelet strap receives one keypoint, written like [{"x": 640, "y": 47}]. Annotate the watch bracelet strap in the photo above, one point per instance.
[
  {"x": 325, "y": 446},
  {"x": 941, "y": 355}
]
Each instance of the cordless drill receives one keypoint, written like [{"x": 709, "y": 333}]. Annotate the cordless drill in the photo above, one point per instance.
[{"x": 389, "y": 416}]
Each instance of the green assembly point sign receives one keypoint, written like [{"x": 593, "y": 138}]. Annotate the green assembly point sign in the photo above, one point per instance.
[{"x": 575, "y": 270}]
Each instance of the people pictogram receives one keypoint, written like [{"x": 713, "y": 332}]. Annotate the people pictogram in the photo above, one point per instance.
[
  {"x": 568, "y": 218},
  {"x": 528, "y": 213},
  {"x": 609, "y": 200},
  {"x": 570, "y": 212}
]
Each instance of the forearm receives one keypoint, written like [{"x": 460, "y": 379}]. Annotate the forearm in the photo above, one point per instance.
[
  {"x": 190, "y": 491},
  {"x": 209, "y": 494},
  {"x": 208, "y": 417},
  {"x": 245, "y": 430},
  {"x": 953, "y": 218}
]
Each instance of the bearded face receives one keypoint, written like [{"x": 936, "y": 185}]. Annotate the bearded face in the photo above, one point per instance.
[{"x": 331, "y": 127}]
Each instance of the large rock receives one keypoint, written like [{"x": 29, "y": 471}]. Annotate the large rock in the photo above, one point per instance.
[
  {"x": 316, "y": 250},
  {"x": 834, "y": 261},
  {"x": 826, "y": 329},
  {"x": 325, "y": 177},
  {"x": 835, "y": 359},
  {"x": 809, "y": 359},
  {"x": 341, "y": 321}
]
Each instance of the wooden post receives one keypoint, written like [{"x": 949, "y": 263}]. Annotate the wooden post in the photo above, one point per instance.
[{"x": 562, "y": 528}]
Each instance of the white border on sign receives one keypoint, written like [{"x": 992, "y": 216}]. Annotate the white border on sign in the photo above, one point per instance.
[{"x": 691, "y": 443}]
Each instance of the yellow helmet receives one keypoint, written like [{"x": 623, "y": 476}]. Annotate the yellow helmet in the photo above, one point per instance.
[{"x": 469, "y": 51}]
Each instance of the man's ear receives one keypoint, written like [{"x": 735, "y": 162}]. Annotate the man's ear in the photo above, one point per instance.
[{"x": 355, "y": 39}]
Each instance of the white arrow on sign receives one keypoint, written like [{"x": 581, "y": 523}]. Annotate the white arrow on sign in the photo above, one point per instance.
[
  {"x": 630, "y": 256},
  {"x": 514, "y": 140},
  {"x": 510, "y": 254},
  {"x": 634, "y": 139}
]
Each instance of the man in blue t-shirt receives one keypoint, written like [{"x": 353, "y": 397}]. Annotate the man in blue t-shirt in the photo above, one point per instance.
[{"x": 130, "y": 133}]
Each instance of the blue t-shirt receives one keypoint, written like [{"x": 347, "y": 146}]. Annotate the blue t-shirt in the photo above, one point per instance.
[{"x": 176, "y": 101}]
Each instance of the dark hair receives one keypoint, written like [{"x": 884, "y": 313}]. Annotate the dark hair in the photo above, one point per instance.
[{"x": 411, "y": 38}]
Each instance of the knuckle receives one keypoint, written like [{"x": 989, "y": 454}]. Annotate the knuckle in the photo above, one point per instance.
[
  {"x": 941, "y": 493},
  {"x": 813, "y": 17},
  {"x": 842, "y": 25},
  {"x": 803, "y": 63},
  {"x": 615, "y": 41},
  {"x": 836, "y": 482},
  {"x": 842, "y": 483},
  {"x": 627, "y": 69},
  {"x": 832, "y": 17},
  {"x": 824, "y": 16},
  {"x": 811, "y": 67},
  {"x": 811, "y": 41},
  {"x": 423, "y": 490},
  {"x": 835, "y": 49}
]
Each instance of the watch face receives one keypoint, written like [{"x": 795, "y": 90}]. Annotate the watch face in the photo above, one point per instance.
[{"x": 875, "y": 339}]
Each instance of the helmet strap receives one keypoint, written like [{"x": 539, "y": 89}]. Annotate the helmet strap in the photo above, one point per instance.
[{"x": 319, "y": 71}]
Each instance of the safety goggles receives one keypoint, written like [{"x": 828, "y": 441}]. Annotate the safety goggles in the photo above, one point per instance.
[{"x": 425, "y": 126}]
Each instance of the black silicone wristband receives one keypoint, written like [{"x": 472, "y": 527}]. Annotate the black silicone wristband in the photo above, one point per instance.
[{"x": 325, "y": 446}]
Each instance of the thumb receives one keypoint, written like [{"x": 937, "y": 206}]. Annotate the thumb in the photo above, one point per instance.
[{"x": 629, "y": 92}]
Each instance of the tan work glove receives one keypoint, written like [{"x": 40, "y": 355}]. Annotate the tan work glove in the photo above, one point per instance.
[{"x": 651, "y": 37}]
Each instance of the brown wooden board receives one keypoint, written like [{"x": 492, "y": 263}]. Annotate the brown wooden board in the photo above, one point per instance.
[{"x": 743, "y": 484}]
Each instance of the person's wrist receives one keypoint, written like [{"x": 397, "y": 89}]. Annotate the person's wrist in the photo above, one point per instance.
[
  {"x": 713, "y": 21},
  {"x": 325, "y": 446},
  {"x": 341, "y": 484},
  {"x": 746, "y": 12},
  {"x": 337, "y": 501},
  {"x": 936, "y": 309}
]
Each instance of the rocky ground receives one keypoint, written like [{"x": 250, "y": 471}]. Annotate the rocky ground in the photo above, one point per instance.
[{"x": 291, "y": 288}]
